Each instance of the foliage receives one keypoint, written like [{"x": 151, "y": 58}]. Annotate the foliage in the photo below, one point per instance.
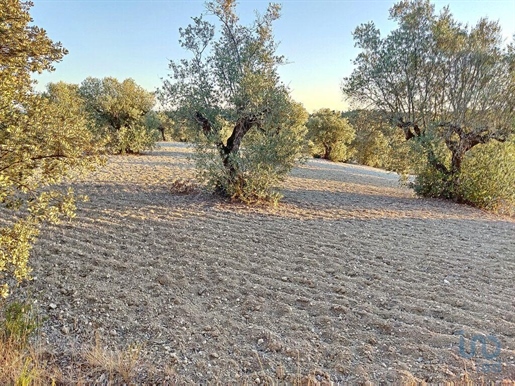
[
  {"x": 119, "y": 111},
  {"x": 156, "y": 122},
  {"x": 263, "y": 162},
  {"x": 177, "y": 128},
  {"x": 488, "y": 177},
  {"x": 440, "y": 82},
  {"x": 231, "y": 93},
  {"x": 42, "y": 139},
  {"x": 378, "y": 144},
  {"x": 18, "y": 324},
  {"x": 330, "y": 135}
]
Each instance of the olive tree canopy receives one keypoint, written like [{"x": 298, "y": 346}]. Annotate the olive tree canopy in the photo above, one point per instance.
[
  {"x": 230, "y": 90},
  {"x": 42, "y": 138},
  {"x": 446, "y": 85}
]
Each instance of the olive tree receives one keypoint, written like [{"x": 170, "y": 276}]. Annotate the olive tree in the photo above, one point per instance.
[
  {"x": 42, "y": 139},
  {"x": 119, "y": 110},
  {"x": 250, "y": 131},
  {"x": 379, "y": 144},
  {"x": 330, "y": 135},
  {"x": 447, "y": 86}
]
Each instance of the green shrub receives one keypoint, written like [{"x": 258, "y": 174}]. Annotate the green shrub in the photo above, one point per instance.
[
  {"x": 135, "y": 139},
  {"x": 120, "y": 113},
  {"x": 430, "y": 182},
  {"x": 378, "y": 144},
  {"x": 488, "y": 177},
  {"x": 19, "y": 322},
  {"x": 262, "y": 163},
  {"x": 370, "y": 148}
]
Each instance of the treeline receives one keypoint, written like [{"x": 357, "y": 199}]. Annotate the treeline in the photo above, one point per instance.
[
  {"x": 486, "y": 178},
  {"x": 118, "y": 114}
]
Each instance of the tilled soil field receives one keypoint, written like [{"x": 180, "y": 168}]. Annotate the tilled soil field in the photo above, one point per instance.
[{"x": 350, "y": 279}]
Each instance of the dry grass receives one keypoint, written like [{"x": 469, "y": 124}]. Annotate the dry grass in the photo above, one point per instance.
[
  {"x": 101, "y": 365},
  {"x": 20, "y": 365},
  {"x": 97, "y": 364},
  {"x": 113, "y": 364}
]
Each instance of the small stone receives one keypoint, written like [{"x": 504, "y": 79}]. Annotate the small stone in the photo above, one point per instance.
[
  {"x": 53, "y": 306},
  {"x": 65, "y": 330},
  {"x": 174, "y": 358},
  {"x": 214, "y": 355},
  {"x": 260, "y": 341},
  {"x": 446, "y": 281},
  {"x": 113, "y": 333},
  {"x": 201, "y": 291},
  {"x": 284, "y": 278},
  {"x": 164, "y": 280}
]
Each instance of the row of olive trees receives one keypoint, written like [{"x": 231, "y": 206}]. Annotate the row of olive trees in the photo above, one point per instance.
[
  {"x": 428, "y": 93},
  {"x": 119, "y": 114},
  {"x": 450, "y": 89},
  {"x": 359, "y": 136}
]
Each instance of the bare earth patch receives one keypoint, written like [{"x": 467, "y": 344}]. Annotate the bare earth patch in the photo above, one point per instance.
[{"x": 351, "y": 279}]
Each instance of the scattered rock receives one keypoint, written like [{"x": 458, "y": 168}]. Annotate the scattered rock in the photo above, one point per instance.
[
  {"x": 201, "y": 291},
  {"x": 164, "y": 280}
]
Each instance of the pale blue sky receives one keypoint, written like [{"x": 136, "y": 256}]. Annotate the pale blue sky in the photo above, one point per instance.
[{"x": 137, "y": 38}]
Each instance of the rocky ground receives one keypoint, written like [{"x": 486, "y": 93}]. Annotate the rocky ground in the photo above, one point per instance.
[{"x": 351, "y": 279}]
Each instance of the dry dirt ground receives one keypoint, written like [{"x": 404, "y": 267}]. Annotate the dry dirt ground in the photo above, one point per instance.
[{"x": 351, "y": 279}]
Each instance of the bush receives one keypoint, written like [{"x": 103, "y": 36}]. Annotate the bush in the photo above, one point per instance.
[
  {"x": 378, "y": 144},
  {"x": 370, "y": 148},
  {"x": 488, "y": 177},
  {"x": 430, "y": 182},
  {"x": 135, "y": 139},
  {"x": 121, "y": 114}
]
